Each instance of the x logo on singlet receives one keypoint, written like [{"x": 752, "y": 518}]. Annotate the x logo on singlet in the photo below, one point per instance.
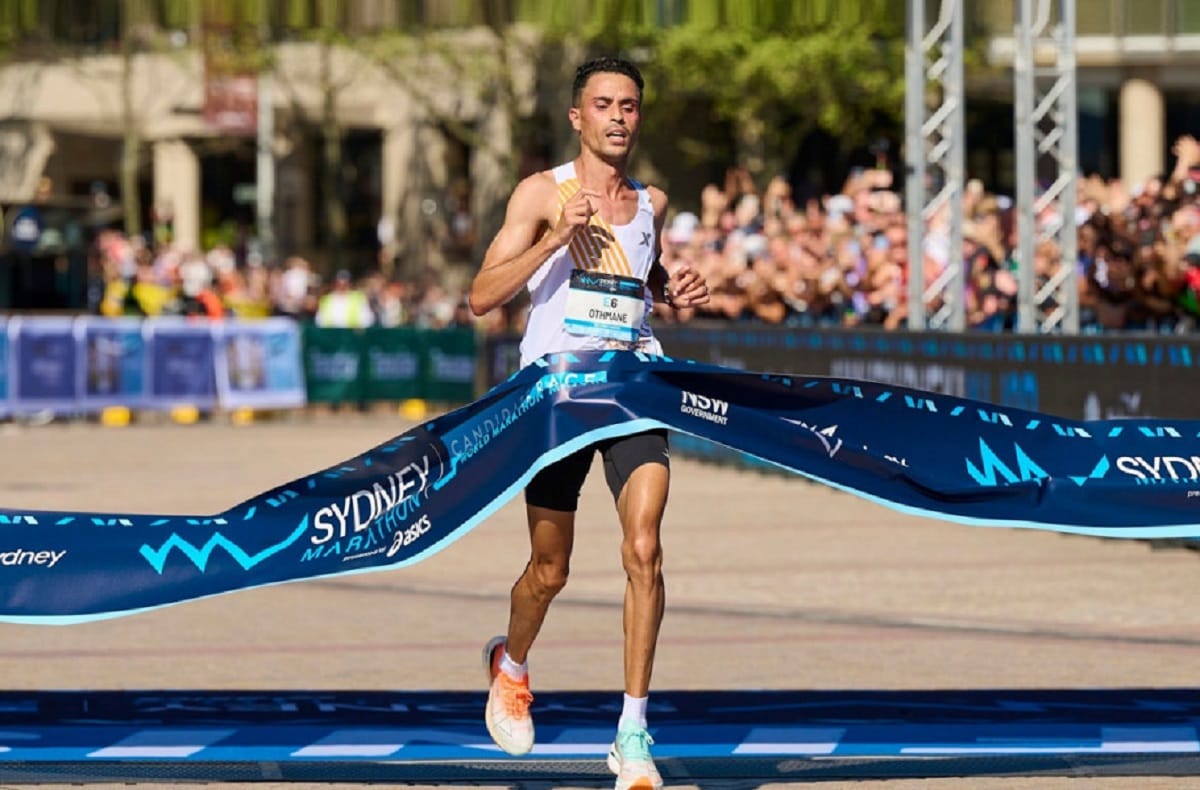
[{"x": 645, "y": 239}]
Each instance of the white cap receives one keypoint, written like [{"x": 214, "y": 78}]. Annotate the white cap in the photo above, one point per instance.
[
  {"x": 682, "y": 227},
  {"x": 840, "y": 204}
]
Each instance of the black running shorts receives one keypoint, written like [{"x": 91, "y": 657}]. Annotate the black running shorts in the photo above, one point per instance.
[{"x": 557, "y": 486}]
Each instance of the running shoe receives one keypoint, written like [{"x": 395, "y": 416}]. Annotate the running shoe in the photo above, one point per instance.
[
  {"x": 507, "y": 714},
  {"x": 629, "y": 758}
]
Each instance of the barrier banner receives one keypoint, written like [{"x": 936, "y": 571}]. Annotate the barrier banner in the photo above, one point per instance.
[
  {"x": 1078, "y": 376},
  {"x": 114, "y": 363},
  {"x": 450, "y": 361},
  {"x": 332, "y": 365},
  {"x": 181, "y": 364},
  {"x": 5, "y": 407},
  {"x": 45, "y": 372},
  {"x": 502, "y": 357},
  {"x": 258, "y": 364},
  {"x": 917, "y": 452},
  {"x": 389, "y": 364},
  {"x": 393, "y": 357}
]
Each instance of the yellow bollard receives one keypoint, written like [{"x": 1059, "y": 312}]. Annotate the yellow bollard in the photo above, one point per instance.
[
  {"x": 413, "y": 409},
  {"x": 242, "y": 416},
  {"x": 115, "y": 416},
  {"x": 185, "y": 415}
]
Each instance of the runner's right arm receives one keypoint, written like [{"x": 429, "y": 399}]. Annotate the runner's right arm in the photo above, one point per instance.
[{"x": 530, "y": 235}]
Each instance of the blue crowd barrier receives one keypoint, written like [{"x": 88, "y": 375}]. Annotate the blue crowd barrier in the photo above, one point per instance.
[{"x": 84, "y": 364}]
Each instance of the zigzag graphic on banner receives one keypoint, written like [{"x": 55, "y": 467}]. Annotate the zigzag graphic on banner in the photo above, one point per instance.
[{"x": 199, "y": 556}]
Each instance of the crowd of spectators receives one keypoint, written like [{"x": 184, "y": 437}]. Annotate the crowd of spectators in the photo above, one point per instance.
[
  {"x": 134, "y": 277},
  {"x": 841, "y": 260}
]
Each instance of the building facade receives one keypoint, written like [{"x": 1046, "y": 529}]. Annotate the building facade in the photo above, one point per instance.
[
  {"x": 425, "y": 148},
  {"x": 398, "y": 151}
]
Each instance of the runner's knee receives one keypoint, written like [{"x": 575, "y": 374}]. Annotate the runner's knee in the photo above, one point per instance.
[
  {"x": 549, "y": 575},
  {"x": 641, "y": 554}
]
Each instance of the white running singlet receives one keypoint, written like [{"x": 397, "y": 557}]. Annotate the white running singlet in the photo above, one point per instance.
[{"x": 598, "y": 308}]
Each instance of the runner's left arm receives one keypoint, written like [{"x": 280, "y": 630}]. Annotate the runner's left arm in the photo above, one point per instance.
[{"x": 681, "y": 288}]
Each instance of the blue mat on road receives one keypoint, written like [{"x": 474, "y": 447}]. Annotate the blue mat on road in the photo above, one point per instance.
[{"x": 412, "y": 736}]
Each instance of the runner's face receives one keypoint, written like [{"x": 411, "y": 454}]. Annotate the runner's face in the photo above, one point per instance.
[{"x": 608, "y": 115}]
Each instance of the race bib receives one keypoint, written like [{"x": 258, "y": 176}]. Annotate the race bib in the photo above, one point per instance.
[{"x": 605, "y": 305}]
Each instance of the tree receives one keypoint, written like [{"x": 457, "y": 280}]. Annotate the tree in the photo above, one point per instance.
[
  {"x": 18, "y": 24},
  {"x": 131, "y": 147},
  {"x": 248, "y": 39},
  {"x": 492, "y": 65},
  {"x": 771, "y": 70},
  {"x": 69, "y": 33}
]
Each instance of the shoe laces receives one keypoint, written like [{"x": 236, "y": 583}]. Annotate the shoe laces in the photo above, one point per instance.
[
  {"x": 635, "y": 743},
  {"x": 515, "y": 696}
]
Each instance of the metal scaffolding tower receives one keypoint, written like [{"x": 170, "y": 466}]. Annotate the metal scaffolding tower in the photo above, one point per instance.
[
  {"x": 1046, "y": 128},
  {"x": 934, "y": 153}
]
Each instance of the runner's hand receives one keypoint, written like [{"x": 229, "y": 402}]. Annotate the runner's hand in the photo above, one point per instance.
[
  {"x": 576, "y": 214},
  {"x": 686, "y": 288}
]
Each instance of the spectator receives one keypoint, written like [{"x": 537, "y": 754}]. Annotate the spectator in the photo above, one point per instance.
[
  {"x": 293, "y": 289},
  {"x": 842, "y": 259},
  {"x": 344, "y": 306},
  {"x": 196, "y": 286}
]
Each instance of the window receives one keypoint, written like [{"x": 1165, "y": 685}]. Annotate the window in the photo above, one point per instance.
[
  {"x": 1187, "y": 17},
  {"x": 1144, "y": 18}
]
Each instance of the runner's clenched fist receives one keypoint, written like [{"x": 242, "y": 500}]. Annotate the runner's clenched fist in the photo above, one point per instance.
[
  {"x": 577, "y": 213},
  {"x": 686, "y": 288}
]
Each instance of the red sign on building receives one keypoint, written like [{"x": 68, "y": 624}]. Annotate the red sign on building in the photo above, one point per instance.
[{"x": 231, "y": 102}]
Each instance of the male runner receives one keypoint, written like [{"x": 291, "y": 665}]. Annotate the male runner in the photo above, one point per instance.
[{"x": 585, "y": 236}]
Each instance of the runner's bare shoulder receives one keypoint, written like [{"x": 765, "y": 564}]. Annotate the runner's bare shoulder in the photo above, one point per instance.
[
  {"x": 658, "y": 199},
  {"x": 536, "y": 197}
]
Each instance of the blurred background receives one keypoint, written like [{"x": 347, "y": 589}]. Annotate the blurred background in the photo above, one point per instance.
[{"x": 836, "y": 168}]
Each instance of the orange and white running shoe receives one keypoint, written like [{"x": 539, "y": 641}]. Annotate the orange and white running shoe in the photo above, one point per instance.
[
  {"x": 629, "y": 758},
  {"x": 507, "y": 714}
]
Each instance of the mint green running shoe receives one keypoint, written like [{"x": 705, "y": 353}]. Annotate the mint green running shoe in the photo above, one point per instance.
[{"x": 629, "y": 758}]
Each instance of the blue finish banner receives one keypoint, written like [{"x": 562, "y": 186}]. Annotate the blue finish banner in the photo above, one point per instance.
[{"x": 917, "y": 452}]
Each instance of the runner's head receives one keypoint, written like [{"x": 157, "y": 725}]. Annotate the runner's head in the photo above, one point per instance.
[
  {"x": 605, "y": 65},
  {"x": 606, "y": 106}
]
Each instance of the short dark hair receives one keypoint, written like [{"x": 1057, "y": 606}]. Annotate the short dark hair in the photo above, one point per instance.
[{"x": 605, "y": 65}]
